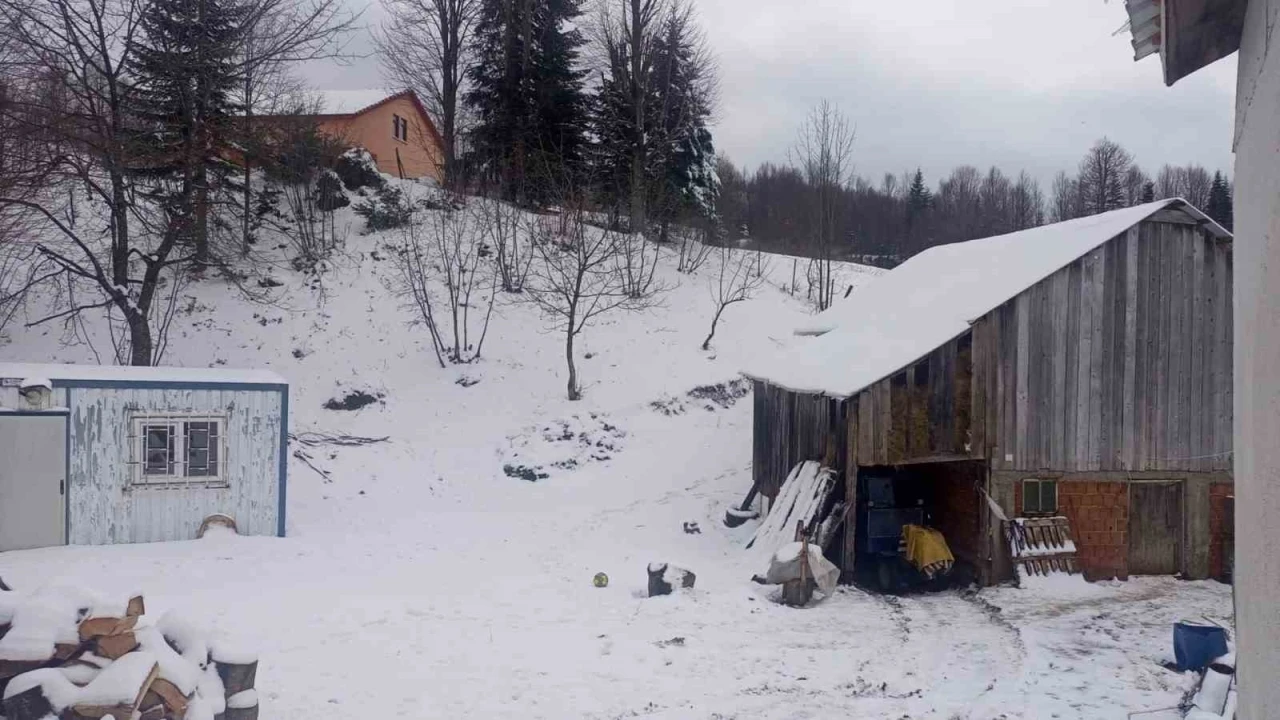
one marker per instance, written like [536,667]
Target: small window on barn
[177,451]
[1039,497]
[400,128]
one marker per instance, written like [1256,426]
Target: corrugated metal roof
[1145,26]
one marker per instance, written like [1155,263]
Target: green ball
[601,580]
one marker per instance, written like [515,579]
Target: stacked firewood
[68,654]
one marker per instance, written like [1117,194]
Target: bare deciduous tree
[1103,176]
[578,277]
[427,45]
[449,278]
[824,154]
[128,260]
[506,228]
[737,280]
[277,36]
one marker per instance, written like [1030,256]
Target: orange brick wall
[958,508]
[1099,515]
[1220,531]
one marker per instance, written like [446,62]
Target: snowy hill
[420,579]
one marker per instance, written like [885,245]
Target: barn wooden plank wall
[792,427]
[1120,361]
[922,412]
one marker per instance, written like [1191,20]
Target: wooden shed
[103,455]
[1081,369]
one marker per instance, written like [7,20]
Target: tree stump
[659,583]
[236,677]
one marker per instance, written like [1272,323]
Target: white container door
[33,464]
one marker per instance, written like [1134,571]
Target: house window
[400,128]
[1039,497]
[177,451]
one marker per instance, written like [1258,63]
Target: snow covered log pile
[72,655]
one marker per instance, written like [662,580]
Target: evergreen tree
[1148,192]
[919,199]
[1220,202]
[186,74]
[527,95]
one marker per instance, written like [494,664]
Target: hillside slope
[420,580]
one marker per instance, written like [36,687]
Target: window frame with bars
[1039,485]
[176,471]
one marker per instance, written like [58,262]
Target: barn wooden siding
[790,428]
[1120,361]
[921,413]
[102,507]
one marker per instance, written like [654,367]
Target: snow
[183,673]
[421,581]
[40,620]
[188,638]
[230,653]
[243,699]
[930,299]
[36,382]
[67,372]
[120,682]
[57,689]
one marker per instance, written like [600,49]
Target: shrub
[357,170]
[385,210]
[330,195]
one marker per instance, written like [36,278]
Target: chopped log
[136,607]
[97,627]
[246,713]
[237,677]
[122,710]
[30,704]
[152,712]
[62,652]
[114,647]
[172,698]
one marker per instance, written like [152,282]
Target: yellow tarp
[927,550]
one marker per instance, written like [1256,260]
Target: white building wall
[1257,364]
[103,509]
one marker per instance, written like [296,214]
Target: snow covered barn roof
[900,317]
[61,374]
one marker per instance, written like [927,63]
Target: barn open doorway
[943,496]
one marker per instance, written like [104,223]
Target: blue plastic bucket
[1195,646]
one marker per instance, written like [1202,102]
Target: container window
[177,451]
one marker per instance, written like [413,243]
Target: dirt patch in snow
[354,400]
[563,444]
[710,398]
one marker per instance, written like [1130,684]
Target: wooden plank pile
[1042,546]
[71,655]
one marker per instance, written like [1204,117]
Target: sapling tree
[736,280]
[449,279]
[578,276]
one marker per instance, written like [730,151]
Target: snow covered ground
[422,581]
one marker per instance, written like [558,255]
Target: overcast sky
[1021,84]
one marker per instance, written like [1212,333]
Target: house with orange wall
[394,127]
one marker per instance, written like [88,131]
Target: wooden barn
[1081,369]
